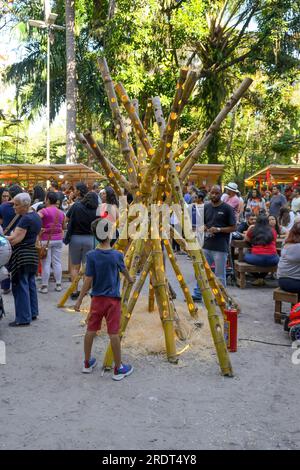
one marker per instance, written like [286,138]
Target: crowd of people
[42,221]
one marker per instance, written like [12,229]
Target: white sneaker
[43,290]
[58,288]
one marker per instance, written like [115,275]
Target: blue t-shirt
[7,213]
[104,266]
[33,224]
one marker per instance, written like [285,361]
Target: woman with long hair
[289,264]
[255,202]
[79,234]
[273,222]
[4,196]
[38,197]
[262,238]
[286,220]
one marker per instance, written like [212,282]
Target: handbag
[43,249]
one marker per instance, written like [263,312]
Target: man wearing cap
[231,197]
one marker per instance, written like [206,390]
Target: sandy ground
[47,403]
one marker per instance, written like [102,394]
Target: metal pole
[48,96]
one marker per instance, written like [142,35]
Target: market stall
[275,174]
[32,174]
[206,175]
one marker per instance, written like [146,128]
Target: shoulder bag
[43,249]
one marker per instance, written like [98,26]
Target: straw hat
[232,187]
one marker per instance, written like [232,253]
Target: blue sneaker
[88,368]
[122,372]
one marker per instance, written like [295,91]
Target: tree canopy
[145,42]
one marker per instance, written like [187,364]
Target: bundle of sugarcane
[153,177]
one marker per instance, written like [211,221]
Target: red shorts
[108,307]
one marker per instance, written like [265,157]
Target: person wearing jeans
[24,261]
[219,222]
[52,235]
[262,238]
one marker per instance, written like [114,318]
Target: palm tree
[70,83]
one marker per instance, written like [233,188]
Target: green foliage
[146,41]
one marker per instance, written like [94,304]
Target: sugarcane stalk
[200,274]
[198,150]
[104,163]
[186,292]
[122,136]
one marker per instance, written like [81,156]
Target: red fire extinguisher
[230,328]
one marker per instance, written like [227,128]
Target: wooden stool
[282,296]
[241,268]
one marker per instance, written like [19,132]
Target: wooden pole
[106,167]
[118,175]
[162,299]
[186,292]
[192,158]
[200,274]
[186,145]
[122,136]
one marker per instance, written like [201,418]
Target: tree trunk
[71,83]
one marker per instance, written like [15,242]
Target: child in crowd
[103,266]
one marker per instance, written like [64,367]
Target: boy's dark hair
[101,229]
[52,197]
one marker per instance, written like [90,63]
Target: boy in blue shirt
[103,266]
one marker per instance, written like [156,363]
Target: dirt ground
[47,403]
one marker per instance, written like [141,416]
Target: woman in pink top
[52,230]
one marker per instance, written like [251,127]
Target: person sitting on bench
[262,239]
[289,263]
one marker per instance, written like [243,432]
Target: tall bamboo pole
[192,158]
[186,292]
[135,120]
[141,153]
[118,175]
[162,299]
[161,156]
[148,113]
[151,295]
[100,156]
[122,136]
[186,145]
[200,274]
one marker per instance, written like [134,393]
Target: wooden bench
[282,296]
[241,268]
